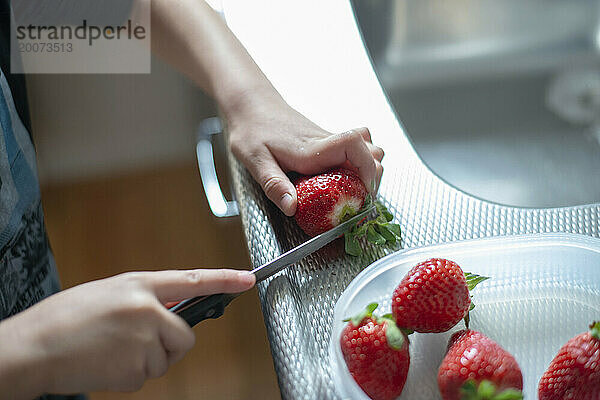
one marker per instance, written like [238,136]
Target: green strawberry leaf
[595,329]
[383,211]
[391,317]
[395,228]
[486,390]
[367,312]
[473,280]
[374,237]
[468,390]
[387,234]
[378,231]
[509,394]
[351,245]
[393,334]
[380,220]
[388,215]
[361,230]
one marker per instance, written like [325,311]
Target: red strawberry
[328,199]
[575,371]
[433,296]
[476,367]
[376,353]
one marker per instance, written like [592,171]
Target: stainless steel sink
[501,99]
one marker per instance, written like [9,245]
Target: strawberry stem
[474,279]
[346,213]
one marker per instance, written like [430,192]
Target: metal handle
[198,309]
[218,204]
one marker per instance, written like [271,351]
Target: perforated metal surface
[298,302]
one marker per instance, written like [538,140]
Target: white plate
[545,289]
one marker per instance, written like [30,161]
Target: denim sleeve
[27,269]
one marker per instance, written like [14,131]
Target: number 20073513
[43,47]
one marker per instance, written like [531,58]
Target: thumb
[175,285]
[275,183]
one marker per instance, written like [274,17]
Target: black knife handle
[198,309]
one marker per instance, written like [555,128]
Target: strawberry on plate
[328,199]
[376,353]
[434,296]
[477,368]
[575,371]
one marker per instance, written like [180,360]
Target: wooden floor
[160,219]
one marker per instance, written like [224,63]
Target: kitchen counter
[313,53]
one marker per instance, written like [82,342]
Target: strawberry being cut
[434,296]
[477,368]
[328,199]
[575,371]
[376,353]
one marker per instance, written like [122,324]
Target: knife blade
[200,308]
[310,246]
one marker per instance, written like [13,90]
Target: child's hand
[270,138]
[110,334]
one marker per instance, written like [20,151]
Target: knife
[200,308]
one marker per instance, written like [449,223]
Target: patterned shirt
[27,269]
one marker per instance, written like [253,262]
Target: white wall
[90,125]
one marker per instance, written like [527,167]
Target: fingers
[176,336]
[178,285]
[266,170]
[376,151]
[379,169]
[274,182]
[365,133]
[157,361]
[349,146]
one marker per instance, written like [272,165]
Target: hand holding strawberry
[434,296]
[376,353]
[328,199]
[575,371]
[477,368]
